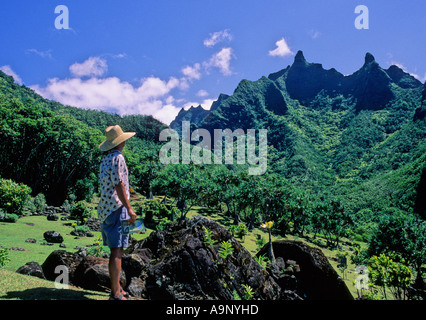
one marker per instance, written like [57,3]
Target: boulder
[92,274]
[93,224]
[32,269]
[81,233]
[60,258]
[135,263]
[52,217]
[184,267]
[17,249]
[53,237]
[137,288]
[177,263]
[316,279]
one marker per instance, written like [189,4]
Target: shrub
[84,188]
[232,229]
[359,256]
[241,231]
[82,229]
[39,202]
[10,217]
[80,211]
[13,196]
[151,205]
[163,211]
[388,274]
[260,242]
[97,249]
[36,204]
[162,223]
[4,257]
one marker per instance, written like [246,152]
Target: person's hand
[132,216]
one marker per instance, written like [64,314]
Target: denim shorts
[112,235]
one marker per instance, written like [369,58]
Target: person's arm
[121,193]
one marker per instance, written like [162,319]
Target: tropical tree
[390,275]
[180,182]
[404,234]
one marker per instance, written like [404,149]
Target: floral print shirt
[113,170]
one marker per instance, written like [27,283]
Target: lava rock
[53,237]
[32,269]
[316,278]
[184,267]
[60,258]
[52,217]
[92,274]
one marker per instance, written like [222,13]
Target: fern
[262,260]
[208,237]
[225,249]
[248,292]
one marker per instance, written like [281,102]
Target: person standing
[114,205]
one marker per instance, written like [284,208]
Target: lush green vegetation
[340,170]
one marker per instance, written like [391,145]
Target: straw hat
[114,136]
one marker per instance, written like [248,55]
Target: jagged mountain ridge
[332,133]
[371,86]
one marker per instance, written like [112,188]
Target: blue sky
[156,57]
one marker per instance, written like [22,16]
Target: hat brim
[108,145]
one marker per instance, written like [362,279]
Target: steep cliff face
[194,115]
[331,130]
[371,87]
[305,80]
[420,113]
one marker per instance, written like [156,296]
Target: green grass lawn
[15,234]
[15,286]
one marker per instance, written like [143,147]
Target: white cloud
[93,66]
[405,69]
[217,37]
[44,54]
[88,88]
[281,50]
[167,113]
[221,60]
[8,70]
[314,34]
[111,94]
[192,72]
[202,93]
[119,56]
[205,104]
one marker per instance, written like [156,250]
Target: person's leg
[114,267]
[116,241]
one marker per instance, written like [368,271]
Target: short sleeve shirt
[112,171]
